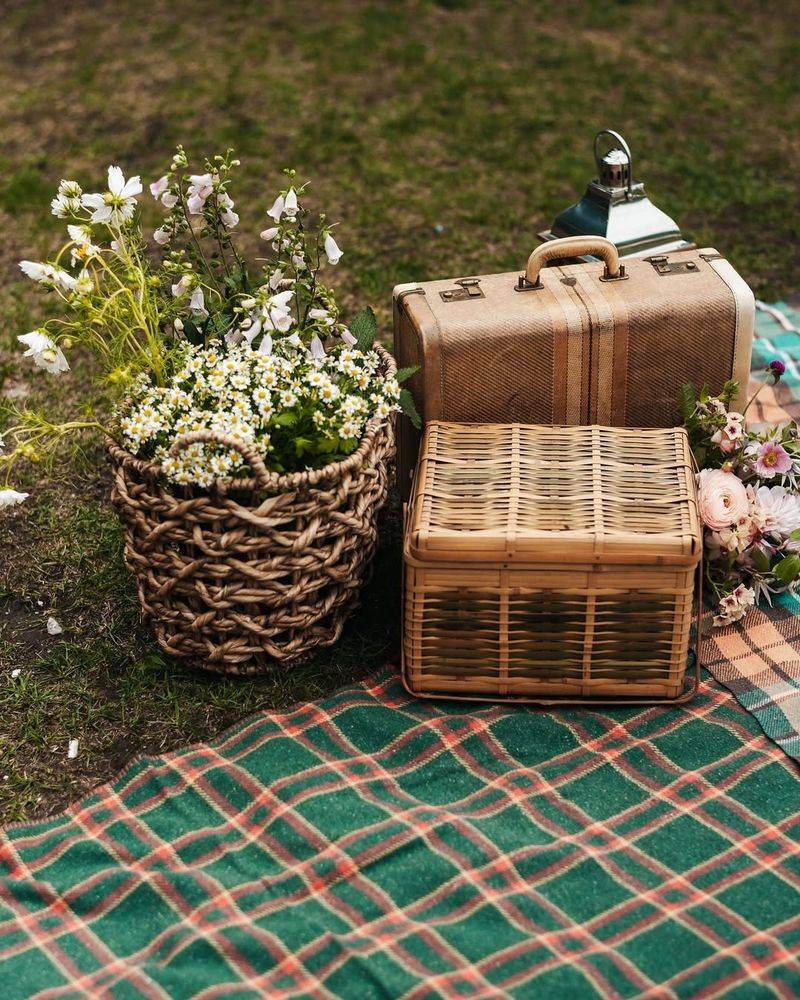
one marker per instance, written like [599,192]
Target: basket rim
[281,483]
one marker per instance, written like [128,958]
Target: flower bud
[178,324]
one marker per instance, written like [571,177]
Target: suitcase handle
[574,246]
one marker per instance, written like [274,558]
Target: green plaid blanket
[372,845]
[375,846]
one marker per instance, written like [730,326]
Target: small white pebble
[16,671]
[53,628]
[40,603]
[72,752]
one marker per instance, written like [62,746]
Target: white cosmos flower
[332,251]
[68,200]
[269,234]
[10,498]
[70,189]
[62,207]
[118,204]
[44,353]
[83,248]
[197,305]
[48,273]
[275,213]
[84,284]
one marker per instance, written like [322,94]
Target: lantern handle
[621,144]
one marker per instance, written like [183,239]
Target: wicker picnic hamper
[546,563]
[256,571]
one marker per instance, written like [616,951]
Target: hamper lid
[488,493]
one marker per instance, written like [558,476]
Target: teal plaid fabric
[372,845]
[774,341]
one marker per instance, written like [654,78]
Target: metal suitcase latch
[469,288]
[664,266]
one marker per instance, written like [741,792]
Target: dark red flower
[776,368]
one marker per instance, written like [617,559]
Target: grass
[444,135]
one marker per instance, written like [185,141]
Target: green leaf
[788,569]
[761,559]
[302,445]
[795,535]
[409,408]
[285,419]
[687,400]
[365,329]
[327,446]
[406,373]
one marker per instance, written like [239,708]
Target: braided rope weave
[260,570]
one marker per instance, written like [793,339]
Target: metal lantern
[616,206]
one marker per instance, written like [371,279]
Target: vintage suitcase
[605,342]
[551,562]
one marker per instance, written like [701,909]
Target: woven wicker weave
[547,562]
[259,570]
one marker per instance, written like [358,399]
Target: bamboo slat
[550,562]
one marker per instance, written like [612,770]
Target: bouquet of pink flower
[749,500]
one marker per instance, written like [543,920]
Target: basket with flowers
[248,427]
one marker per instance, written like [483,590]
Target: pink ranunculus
[772,460]
[722,499]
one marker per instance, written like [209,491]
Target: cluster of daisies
[298,410]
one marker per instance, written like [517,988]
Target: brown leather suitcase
[604,342]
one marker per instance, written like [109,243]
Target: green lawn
[444,136]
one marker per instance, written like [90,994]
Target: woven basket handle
[264,478]
[573,246]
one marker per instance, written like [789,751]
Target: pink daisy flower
[772,460]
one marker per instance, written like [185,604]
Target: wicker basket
[256,571]
[548,563]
